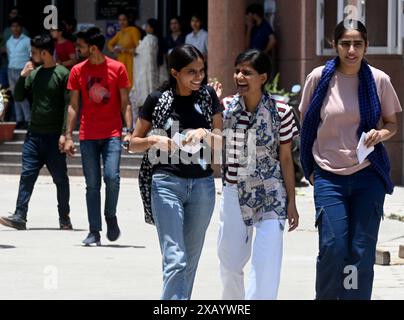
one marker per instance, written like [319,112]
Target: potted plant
[6,128]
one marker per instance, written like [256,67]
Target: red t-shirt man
[100,87]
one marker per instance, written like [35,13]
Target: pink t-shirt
[337,138]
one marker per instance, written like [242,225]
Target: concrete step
[11,158]
[17,146]
[11,146]
[127,160]
[19,135]
[74,170]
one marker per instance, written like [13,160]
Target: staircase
[11,158]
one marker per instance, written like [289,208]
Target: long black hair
[178,59]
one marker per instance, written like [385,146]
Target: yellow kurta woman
[124,44]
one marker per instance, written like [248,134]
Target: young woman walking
[341,101]
[259,183]
[178,188]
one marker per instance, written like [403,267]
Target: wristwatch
[129,131]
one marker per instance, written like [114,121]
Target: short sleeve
[312,81]
[29,46]
[73,82]
[288,124]
[389,101]
[146,112]
[205,43]
[188,39]
[124,82]
[217,107]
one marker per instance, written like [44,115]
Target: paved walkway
[45,263]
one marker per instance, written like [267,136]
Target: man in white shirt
[198,37]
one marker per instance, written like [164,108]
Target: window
[383,18]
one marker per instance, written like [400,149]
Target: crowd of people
[154,99]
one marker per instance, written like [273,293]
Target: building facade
[303,28]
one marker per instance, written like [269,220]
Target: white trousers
[235,245]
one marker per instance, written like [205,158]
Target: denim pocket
[161,176]
[373,225]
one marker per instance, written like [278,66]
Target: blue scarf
[370,112]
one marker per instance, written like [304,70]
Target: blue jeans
[349,211]
[92,151]
[21,108]
[40,150]
[182,209]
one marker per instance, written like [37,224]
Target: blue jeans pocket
[161,176]
[163,179]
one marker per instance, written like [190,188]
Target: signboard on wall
[109,9]
[111,29]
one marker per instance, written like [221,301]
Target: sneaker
[113,231]
[65,223]
[93,239]
[14,221]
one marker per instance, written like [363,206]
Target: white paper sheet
[363,151]
[189,148]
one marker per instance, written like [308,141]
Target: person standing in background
[70,29]
[150,70]
[199,36]
[19,53]
[65,51]
[176,37]
[3,48]
[260,34]
[124,44]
